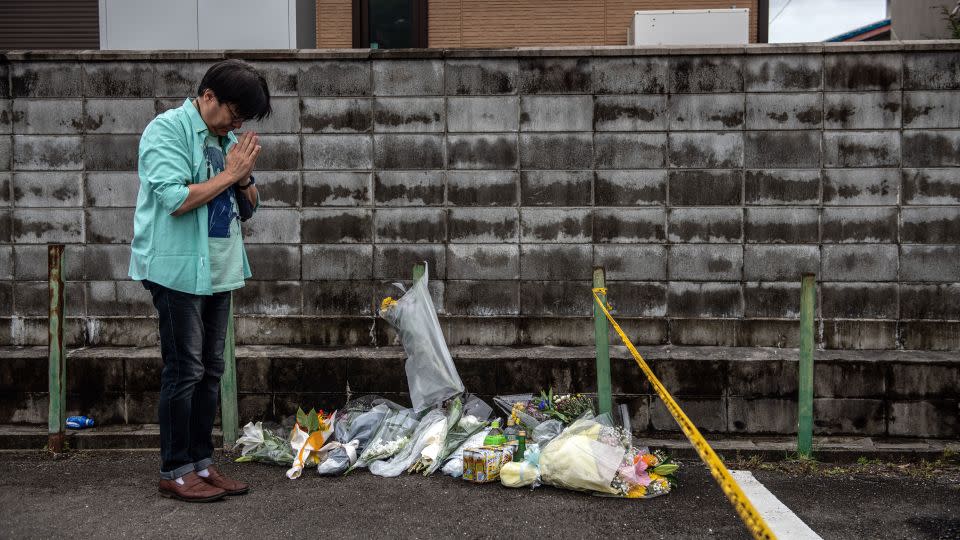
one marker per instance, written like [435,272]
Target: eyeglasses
[235,119]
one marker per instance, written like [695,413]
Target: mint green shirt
[167,250]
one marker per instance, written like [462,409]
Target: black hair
[238,83]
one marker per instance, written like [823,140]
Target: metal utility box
[690,27]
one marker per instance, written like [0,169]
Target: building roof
[871,31]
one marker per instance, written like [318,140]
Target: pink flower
[635,475]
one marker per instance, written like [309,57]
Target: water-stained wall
[705,181]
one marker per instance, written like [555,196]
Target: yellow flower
[654,476]
[637,492]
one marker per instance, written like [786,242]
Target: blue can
[79,422]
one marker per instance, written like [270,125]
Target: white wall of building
[204,24]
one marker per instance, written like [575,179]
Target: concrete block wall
[705,181]
[733,390]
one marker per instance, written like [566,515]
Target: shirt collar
[197,121]
[194,115]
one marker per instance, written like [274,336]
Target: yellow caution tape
[744,508]
[603,291]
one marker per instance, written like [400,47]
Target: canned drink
[79,422]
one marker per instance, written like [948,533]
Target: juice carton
[485,463]
[469,468]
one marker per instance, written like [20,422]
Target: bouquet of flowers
[592,455]
[355,425]
[460,430]
[584,457]
[390,437]
[565,407]
[530,411]
[523,408]
[307,438]
[430,431]
[263,445]
[430,454]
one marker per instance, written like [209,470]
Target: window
[389,24]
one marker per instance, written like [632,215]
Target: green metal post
[229,418]
[56,349]
[418,270]
[602,337]
[808,290]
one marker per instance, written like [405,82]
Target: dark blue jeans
[192,332]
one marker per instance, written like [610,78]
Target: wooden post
[57,353]
[602,338]
[808,290]
[229,418]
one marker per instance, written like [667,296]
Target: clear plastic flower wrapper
[431,374]
[531,410]
[261,444]
[594,456]
[430,454]
[460,427]
[390,437]
[429,433]
[356,423]
[523,408]
[546,432]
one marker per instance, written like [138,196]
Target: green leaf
[666,469]
[301,418]
[313,423]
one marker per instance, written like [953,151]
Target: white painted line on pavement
[782,520]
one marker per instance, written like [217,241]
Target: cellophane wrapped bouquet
[593,455]
[531,410]
[356,423]
[429,431]
[391,436]
[264,445]
[461,425]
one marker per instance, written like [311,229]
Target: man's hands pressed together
[242,157]
[240,162]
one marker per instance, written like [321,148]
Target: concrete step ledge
[494,353]
[119,437]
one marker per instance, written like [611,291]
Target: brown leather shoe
[194,489]
[229,485]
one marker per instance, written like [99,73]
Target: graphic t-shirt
[226,244]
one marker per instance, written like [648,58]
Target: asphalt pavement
[112,494]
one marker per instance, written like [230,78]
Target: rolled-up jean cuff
[178,472]
[202,464]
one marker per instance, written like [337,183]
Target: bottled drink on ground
[521,445]
[79,422]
